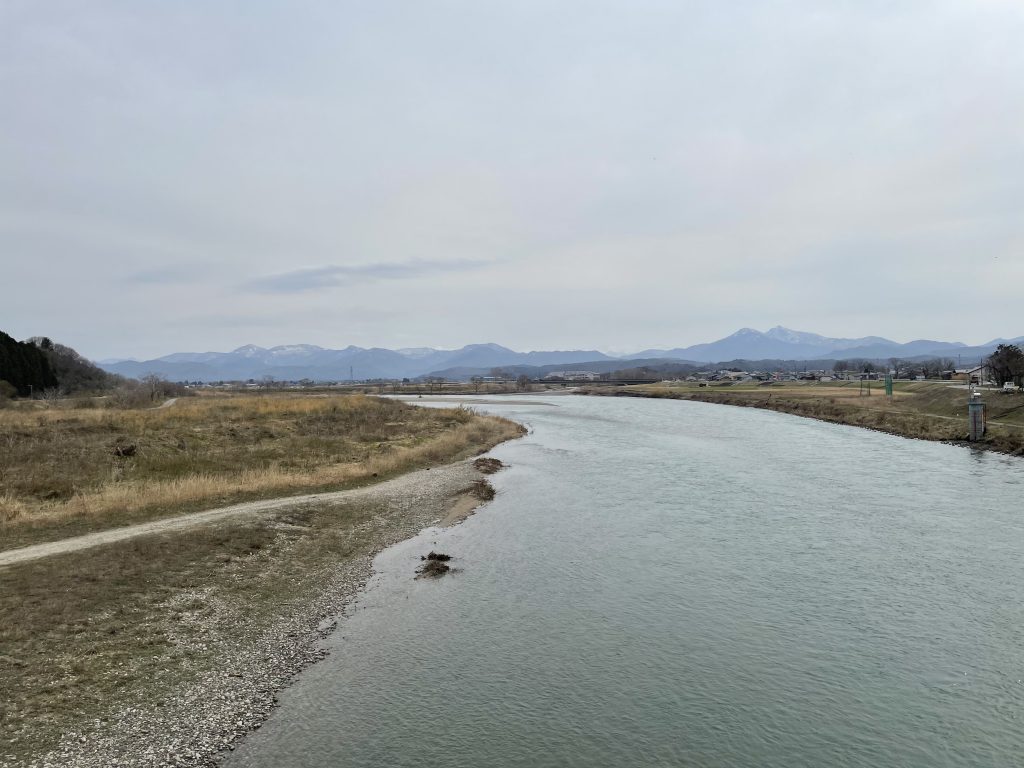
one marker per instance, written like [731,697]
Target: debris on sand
[488,465]
[483,490]
[439,556]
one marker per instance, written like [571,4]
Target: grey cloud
[652,174]
[332,276]
[165,275]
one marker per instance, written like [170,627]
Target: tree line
[39,367]
[900,368]
[1007,365]
[25,368]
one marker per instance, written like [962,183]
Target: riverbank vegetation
[924,410]
[67,469]
[193,631]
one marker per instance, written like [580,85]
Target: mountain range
[306,361]
[781,343]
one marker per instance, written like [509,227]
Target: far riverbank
[923,411]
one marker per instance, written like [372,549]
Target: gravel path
[203,719]
[415,483]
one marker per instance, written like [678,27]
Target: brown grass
[60,473]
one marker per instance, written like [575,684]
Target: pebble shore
[205,718]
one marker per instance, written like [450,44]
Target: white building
[573,375]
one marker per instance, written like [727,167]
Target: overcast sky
[611,175]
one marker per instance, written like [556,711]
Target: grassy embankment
[61,475]
[130,623]
[924,410]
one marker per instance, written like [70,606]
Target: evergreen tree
[24,366]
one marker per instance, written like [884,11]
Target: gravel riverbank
[198,721]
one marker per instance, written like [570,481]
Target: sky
[546,175]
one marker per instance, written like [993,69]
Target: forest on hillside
[39,367]
[24,368]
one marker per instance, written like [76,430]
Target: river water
[667,583]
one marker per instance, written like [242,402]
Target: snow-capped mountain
[781,343]
[308,361]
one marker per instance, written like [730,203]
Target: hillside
[24,366]
[304,361]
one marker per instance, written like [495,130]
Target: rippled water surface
[665,583]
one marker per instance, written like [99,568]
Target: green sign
[888,385]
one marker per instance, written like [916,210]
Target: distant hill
[39,364]
[304,361]
[25,367]
[75,374]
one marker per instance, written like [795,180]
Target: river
[669,583]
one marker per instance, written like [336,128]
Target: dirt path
[450,479]
[165,404]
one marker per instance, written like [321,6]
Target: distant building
[573,375]
[979,374]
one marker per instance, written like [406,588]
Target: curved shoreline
[793,409]
[194,519]
[203,718]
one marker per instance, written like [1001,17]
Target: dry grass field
[925,410]
[70,470]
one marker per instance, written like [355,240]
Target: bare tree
[51,394]
[1007,364]
[477,381]
[154,384]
